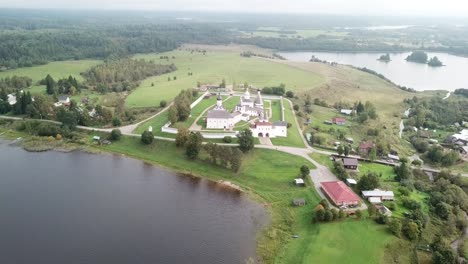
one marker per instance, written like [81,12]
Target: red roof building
[340,193]
[339,120]
[365,147]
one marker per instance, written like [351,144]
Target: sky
[353,7]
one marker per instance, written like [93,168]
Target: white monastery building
[220,118]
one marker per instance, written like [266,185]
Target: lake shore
[247,181]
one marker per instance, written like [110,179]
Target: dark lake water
[415,75]
[84,208]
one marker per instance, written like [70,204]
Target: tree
[411,230]
[442,253]
[358,213]
[340,150]
[328,216]
[373,154]
[115,135]
[368,181]
[290,94]
[320,214]
[227,139]
[163,103]
[236,159]
[346,150]
[182,137]
[193,145]
[69,119]
[147,137]
[246,140]
[296,107]
[359,108]
[305,171]
[50,84]
[116,121]
[395,226]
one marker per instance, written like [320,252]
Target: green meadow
[213,68]
[57,69]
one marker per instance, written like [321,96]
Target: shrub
[163,103]
[227,139]
[296,107]
[392,206]
[116,121]
[411,204]
[58,137]
[115,135]
[147,137]
[47,130]
[416,162]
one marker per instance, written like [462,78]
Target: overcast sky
[357,7]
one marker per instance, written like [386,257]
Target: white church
[220,118]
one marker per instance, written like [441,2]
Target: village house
[63,100]
[340,194]
[341,121]
[346,111]
[350,163]
[365,147]
[460,139]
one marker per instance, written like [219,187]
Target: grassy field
[212,68]
[275,110]
[350,241]
[57,69]
[294,138]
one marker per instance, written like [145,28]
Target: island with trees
[384,58]
[422,57]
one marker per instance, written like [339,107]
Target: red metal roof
[339,192]
[338,119]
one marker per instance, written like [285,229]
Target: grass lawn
[212,68]
[156,122]
[294,138]
[388,173]
[275,110]
[57,69]
[350,241]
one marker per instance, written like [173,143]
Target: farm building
[380,194]
[340,193]
[350,163]
[299,202]
[339,121]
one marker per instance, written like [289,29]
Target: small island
[418,56]
[435,62]
[422,57]
[384,58]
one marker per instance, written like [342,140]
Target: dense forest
[32,37]
[34,41]
[124,74]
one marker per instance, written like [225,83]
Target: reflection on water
[84,208]
[409,74]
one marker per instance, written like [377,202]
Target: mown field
[57,69]
[213,68]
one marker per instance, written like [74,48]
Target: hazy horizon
[330,7]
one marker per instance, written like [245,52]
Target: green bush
[115,135]
[227,139]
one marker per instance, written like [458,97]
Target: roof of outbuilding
[350,162]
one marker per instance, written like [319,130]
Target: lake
[415,75]
[87,208]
